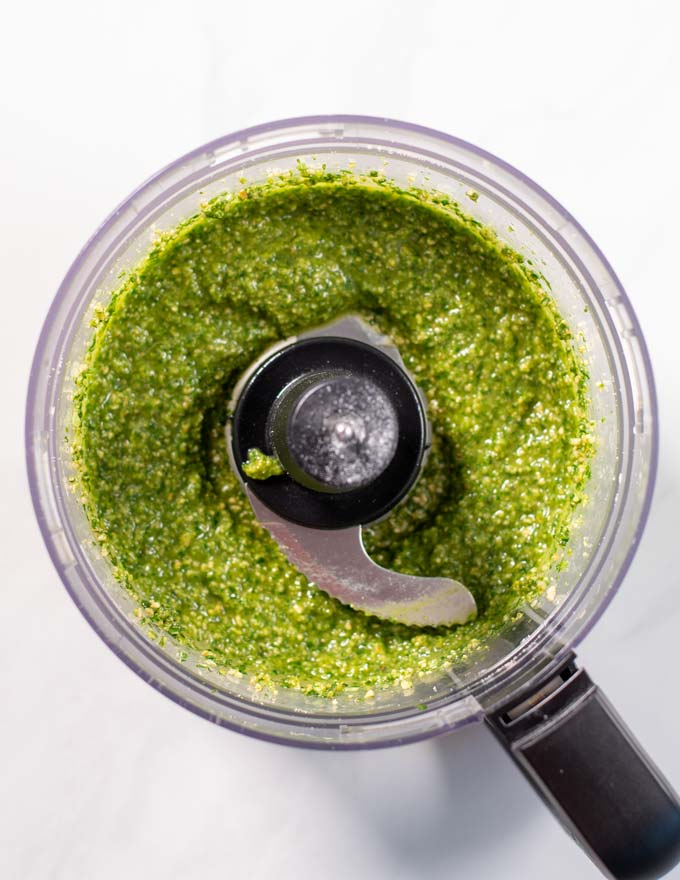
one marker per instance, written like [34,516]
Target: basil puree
[506,397]
[260,466]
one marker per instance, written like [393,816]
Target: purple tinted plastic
[318,729]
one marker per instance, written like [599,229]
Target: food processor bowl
[537,645]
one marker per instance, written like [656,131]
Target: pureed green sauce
[507,404]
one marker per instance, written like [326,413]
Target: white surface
[104,778]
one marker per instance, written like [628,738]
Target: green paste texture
[260,466]
[507,403]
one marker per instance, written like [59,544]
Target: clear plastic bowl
[589,296]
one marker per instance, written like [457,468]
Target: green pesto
[507,403]
[261,466]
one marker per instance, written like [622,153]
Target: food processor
[525,683]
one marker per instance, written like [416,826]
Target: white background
[101,777]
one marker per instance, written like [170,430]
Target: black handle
[587,766]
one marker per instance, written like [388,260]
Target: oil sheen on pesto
[506,400]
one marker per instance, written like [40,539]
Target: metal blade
[336,562]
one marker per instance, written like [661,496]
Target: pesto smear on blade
[261,466]
[506,400]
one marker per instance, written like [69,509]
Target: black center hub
[346,422]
